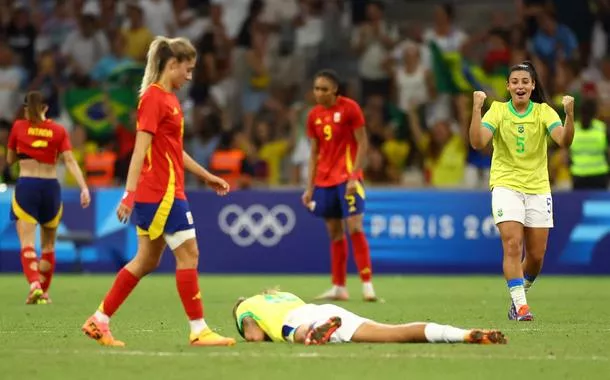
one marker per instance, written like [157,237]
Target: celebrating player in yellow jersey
[521,194]
[283,317]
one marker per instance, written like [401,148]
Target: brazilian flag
[90,108]
[454,74]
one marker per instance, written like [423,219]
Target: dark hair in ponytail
[34,107]
[538,95]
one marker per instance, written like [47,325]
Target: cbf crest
[521,129]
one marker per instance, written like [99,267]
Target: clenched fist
[478,98]
[568,104]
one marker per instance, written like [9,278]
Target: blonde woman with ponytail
[155,191]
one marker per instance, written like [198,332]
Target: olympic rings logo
[256,224]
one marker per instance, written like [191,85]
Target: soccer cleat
[100,332]
[512,312]
[35,294]
[45,299]
[333,294]
[209,338]
[321,334]
[524,314]
[485,337]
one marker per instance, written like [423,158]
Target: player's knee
[187,255]
[513,246]
[355,227]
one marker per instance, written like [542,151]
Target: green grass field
[568,340]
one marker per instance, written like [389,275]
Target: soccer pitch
[568,340]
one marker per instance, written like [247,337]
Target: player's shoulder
[498,106]
[348,102]
[20,123]
[153,92]
[543,107]
[54,125]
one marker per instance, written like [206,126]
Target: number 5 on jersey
[328,132]
[520,144]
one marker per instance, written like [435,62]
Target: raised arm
[563,135]
[481,131]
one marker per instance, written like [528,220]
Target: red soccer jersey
[43,142]
[334,128]
[160,114]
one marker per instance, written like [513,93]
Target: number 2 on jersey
[328,132]
[520,144]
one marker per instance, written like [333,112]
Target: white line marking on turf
[313,355]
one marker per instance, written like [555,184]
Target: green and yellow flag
[89,108]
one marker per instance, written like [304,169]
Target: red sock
[362,256]
[47,276]
[29,262]
[187,282]
[123,284]
[338,255]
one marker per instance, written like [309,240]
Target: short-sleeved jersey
[162,176]
[269,311]
[519,159]
[333,128]
[42,142]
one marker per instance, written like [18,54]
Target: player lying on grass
[283,317]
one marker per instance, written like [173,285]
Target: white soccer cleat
[334,294]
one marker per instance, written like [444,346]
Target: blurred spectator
[80,149]
[84,48]
[188,22]
[255,88]
[57,27]
[10,79]
[48,82]
[137,36]
[554,41]
[444,152]
[373,41]
[113,61]
[271,149]
[159,17]
[20,35]
[230,161]
[414,82]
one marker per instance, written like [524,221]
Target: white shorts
[310,313]
[531,210]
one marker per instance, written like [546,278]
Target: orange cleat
[100,332]
[485,337]
[321,334]
[209,338]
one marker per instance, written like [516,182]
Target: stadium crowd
[245,110]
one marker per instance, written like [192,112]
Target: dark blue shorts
[37,200]
[156,219]
[332,203]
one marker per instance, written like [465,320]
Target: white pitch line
[312,355]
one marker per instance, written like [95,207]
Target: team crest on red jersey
[337,117]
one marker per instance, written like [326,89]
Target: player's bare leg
[46,267]
[362,255]
[512,244]
[373,332]
[147,259]
[338,257]
[535,249]
[29,260]
[187,282]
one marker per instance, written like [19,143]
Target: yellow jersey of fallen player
[269,310]
[519,159]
